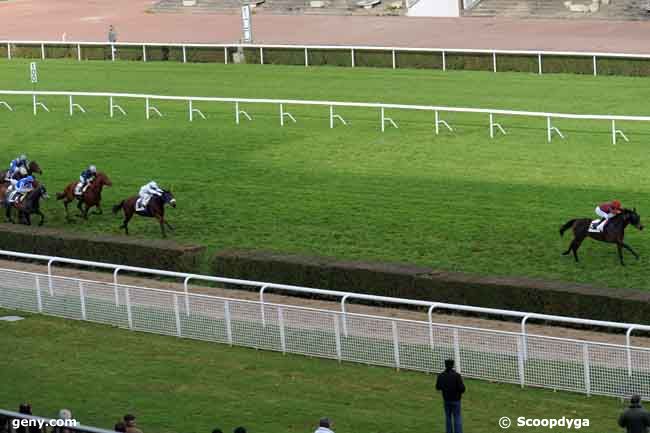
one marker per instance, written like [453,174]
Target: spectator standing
[451,384]
[635,419]
[131,427]
[324,426]
[112,34]
[65,415]
[26,409]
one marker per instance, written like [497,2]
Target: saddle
[79,192]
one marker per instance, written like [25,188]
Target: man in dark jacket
[635,419]
[451,384]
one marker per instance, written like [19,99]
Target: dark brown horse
[32,168]
[614,232]
[28,206]
[92,197]
[155,209]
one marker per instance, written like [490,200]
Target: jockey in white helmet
[149,190]
[87,176]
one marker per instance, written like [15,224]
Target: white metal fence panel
[557,363]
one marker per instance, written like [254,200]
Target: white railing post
[129,313]
[491,125]
[539,63]
[146,106]
[548,129]
[430,317]
[261,56]
[184,54]
[585,358]
[595,67]
[262,306]
[225,55]
[331,117]
[190,110]
[49,276]
[395,344]
[110,106]
[187,295]
[226,315]
[444,61]
[8,51]
[494,61]
[177,316]
[237,113]
[337,336]
[524,336]
[79,52]
[82,300]
[394,63]
[112,52]
[34,103]
[115,284]
[39,299]
[520,361]
[457,350]
[628,351]
[382,119]
[344,316]
[70,104]
[352,56]
[281,115]
[144,53]
[283,342]
[306,58]
[42,51]
[613,131]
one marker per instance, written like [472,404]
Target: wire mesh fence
[524,359]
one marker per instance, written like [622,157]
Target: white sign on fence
[33,72]
[247,27]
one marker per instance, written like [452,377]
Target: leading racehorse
[28,206]
[614,232]
[155,209]
[32,168]
[92,197]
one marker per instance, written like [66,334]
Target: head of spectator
[217,430]
[120,427]
[129,420]
[635,401]
[449,364]
[324,425]
[65,414]
[239,430]
[25,409]
[4,424]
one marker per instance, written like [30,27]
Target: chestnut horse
[155,209]
[31,169]
[92,197]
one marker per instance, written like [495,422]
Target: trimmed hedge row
[414,282]
[160,254]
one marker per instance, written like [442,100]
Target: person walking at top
[635,419]
[451,384]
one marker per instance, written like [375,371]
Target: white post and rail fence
[37,99]
[521,358]
[13,49]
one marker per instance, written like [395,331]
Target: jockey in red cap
[607,211]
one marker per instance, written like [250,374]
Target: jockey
[606,211]
[149,190]
[15,166]
[22,186]
[87,176]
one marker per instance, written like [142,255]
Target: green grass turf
[456,201]
[177,385]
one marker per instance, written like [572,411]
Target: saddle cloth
[141,204]
[593,227]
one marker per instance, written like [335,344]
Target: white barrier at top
[436,110]
[264,287]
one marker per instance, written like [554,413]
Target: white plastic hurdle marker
[238,112]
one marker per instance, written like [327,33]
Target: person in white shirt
[325,426]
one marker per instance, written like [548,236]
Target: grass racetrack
[458,201]
[176,385]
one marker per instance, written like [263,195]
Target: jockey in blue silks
[15,166]
[87,176]
[22,186]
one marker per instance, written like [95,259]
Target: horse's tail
[118,207]
[566,226]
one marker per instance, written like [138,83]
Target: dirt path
[538,329]
[89,21]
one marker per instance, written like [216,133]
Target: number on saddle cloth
[142,203]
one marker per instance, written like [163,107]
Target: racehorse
[28,206]
[92,197]
[31,169]
[155,209]
[614,232]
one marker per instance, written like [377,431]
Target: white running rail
[524,359]
[48,285]
[51,422]
[436,110]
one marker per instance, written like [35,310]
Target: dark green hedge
[26,51]
[165,53]
[62,51]
[418,60]
[205,55]
[414,282]
[567,65]
[330,58]
[160,254]
[372,58]
[91,52]
[618,66]
[281,56]
[517,63]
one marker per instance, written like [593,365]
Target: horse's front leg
[28,218]
[99,210]
[9,217]
[79,206]
[169,226]
[39,213]
[629,248]
[619,247]
[161,221]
